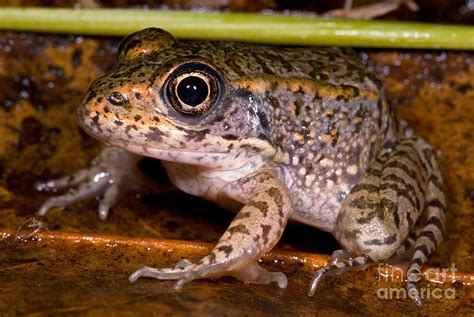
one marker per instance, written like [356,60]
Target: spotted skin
[302,133]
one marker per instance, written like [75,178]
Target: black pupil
[192,91]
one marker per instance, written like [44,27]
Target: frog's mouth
[174,155]
[169,148]
[211,158]
[139,144]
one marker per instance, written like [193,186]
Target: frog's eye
[193,88]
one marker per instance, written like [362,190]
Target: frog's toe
[413,293]
[69,181]
[255,274]
[183,263]
[320,274]
[341,255]
[111,196]
[161,274]
[52,202]
[338,267]
[315,281]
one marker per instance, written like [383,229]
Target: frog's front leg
[255,230]
[396,209]
[111,174]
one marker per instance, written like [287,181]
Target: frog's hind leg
[255,230]
[396,208]
[429,231]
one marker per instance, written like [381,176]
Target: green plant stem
[249,27]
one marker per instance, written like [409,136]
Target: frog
[273,133]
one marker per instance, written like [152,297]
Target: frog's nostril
[117,99]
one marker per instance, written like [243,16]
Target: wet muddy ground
[70,262]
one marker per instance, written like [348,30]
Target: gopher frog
[302,133]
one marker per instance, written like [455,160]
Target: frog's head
[166,100]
